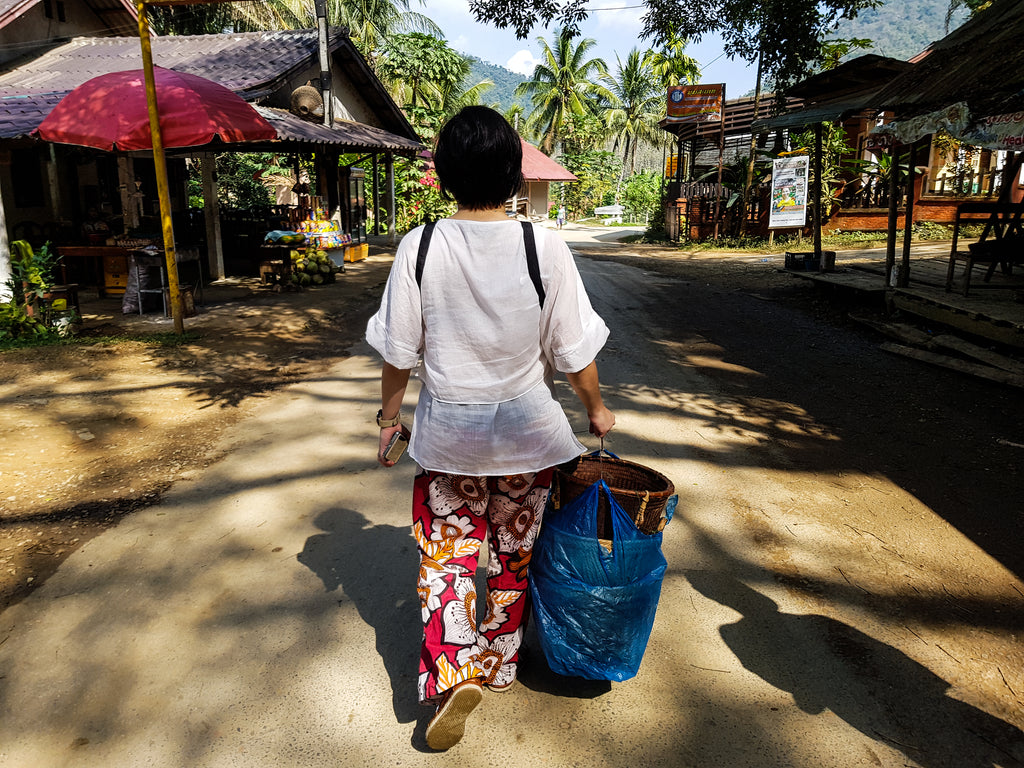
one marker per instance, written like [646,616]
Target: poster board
[695,103]
[789,192]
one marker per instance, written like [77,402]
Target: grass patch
[53,340]
[922,232]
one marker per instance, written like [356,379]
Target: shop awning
[818,113]
[347,135]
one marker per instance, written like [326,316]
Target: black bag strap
[421,257]
[532,264]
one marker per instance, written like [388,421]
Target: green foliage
[32,275]
[671,65]
[636,107]
[418,69]
[564,86]
[195,20]
[420,193]
[596,169]
[241,179]
[17,326]
[784,36]
[835,50]
[641,195]
[834,150]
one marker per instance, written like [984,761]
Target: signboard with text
[695,103]
[789,192]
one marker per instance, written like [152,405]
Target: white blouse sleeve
[572,333]
[396,331]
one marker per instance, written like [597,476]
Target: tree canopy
[785,34]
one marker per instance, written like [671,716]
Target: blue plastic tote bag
[595,606]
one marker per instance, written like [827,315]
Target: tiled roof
[252,64]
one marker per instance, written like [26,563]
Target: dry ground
[90,432]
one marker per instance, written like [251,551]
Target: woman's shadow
[376,565]
[877,689]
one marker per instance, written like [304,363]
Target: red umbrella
[110,112]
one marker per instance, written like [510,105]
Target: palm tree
[671,64]
[369,22]
[565,83]
[637,106]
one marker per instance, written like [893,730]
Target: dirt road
[846,541]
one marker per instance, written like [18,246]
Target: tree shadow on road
[376,567]
[828,665]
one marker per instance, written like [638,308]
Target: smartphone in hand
[396,446]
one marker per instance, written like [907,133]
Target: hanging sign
[789,192]
[998,132]
[695,103]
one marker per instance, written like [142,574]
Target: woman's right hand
[601,421]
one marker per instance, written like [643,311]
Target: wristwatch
[382,422]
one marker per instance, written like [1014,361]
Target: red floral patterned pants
[451,515]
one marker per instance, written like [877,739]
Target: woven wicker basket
[641,492]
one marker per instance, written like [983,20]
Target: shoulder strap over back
[421,256]
[532,265]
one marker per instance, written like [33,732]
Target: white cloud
[614,15]
[522,62]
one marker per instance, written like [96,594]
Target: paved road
[264,614]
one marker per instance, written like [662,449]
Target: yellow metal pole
[160,162]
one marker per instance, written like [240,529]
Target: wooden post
[903,279]
[214,242]
[890,240]
[320,7]
[817,196]
[721,152]
[389,171]
[5,249]
[376,197]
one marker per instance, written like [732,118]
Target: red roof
[539,167]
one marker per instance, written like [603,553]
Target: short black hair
[479,158]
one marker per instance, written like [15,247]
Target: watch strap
[382,422]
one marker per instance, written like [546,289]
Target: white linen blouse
[487,405]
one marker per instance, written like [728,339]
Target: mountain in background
[901,29]
[502,93]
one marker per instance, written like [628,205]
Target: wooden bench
[1001,243]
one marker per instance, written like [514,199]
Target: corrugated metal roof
[738,114]
[539,167]
[355,137]
[980,63]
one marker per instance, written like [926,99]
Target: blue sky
[614,24]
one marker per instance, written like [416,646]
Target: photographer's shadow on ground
[880,691]
[376,567]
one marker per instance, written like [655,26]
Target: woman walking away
[493,307]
